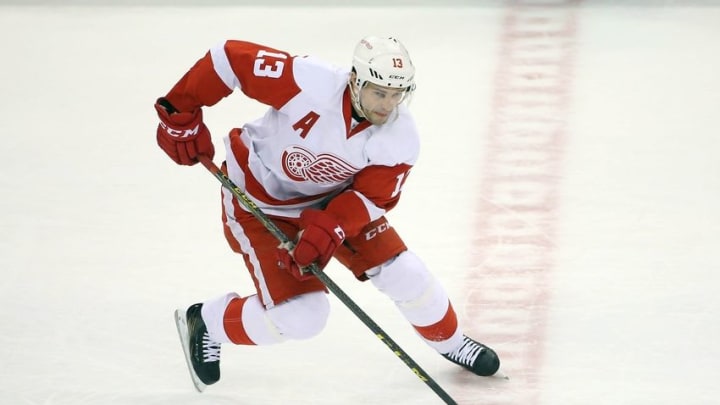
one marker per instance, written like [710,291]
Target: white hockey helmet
[385,62]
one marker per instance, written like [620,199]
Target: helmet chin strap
[355,99]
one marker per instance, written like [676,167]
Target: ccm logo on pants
[377,230]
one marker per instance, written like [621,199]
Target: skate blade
[181,324]
[500,375]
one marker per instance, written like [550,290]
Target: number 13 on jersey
[269,64]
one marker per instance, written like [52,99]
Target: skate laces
[211,349]
[467,353]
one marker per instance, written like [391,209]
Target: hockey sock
[245,321]
[420,298]
[443,335]
[233,322]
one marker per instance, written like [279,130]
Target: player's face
[379,102]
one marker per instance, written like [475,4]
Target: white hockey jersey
[307,150]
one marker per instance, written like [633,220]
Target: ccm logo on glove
[179,133]
[339,232]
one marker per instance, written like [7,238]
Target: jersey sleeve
[260,72]
[375,191]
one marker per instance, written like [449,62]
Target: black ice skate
[201,354]
[475,357]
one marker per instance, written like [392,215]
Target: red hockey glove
[318,239]
[183,136]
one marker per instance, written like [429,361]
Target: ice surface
[101,236]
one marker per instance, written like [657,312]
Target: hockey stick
[329,283]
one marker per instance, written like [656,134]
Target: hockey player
[327,161]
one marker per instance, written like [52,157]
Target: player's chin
[378,119]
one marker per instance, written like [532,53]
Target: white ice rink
[567,196]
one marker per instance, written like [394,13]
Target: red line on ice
[512,250]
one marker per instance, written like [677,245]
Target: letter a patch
[305,123]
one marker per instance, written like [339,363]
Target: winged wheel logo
[302,165]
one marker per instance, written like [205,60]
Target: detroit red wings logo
[302,165]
